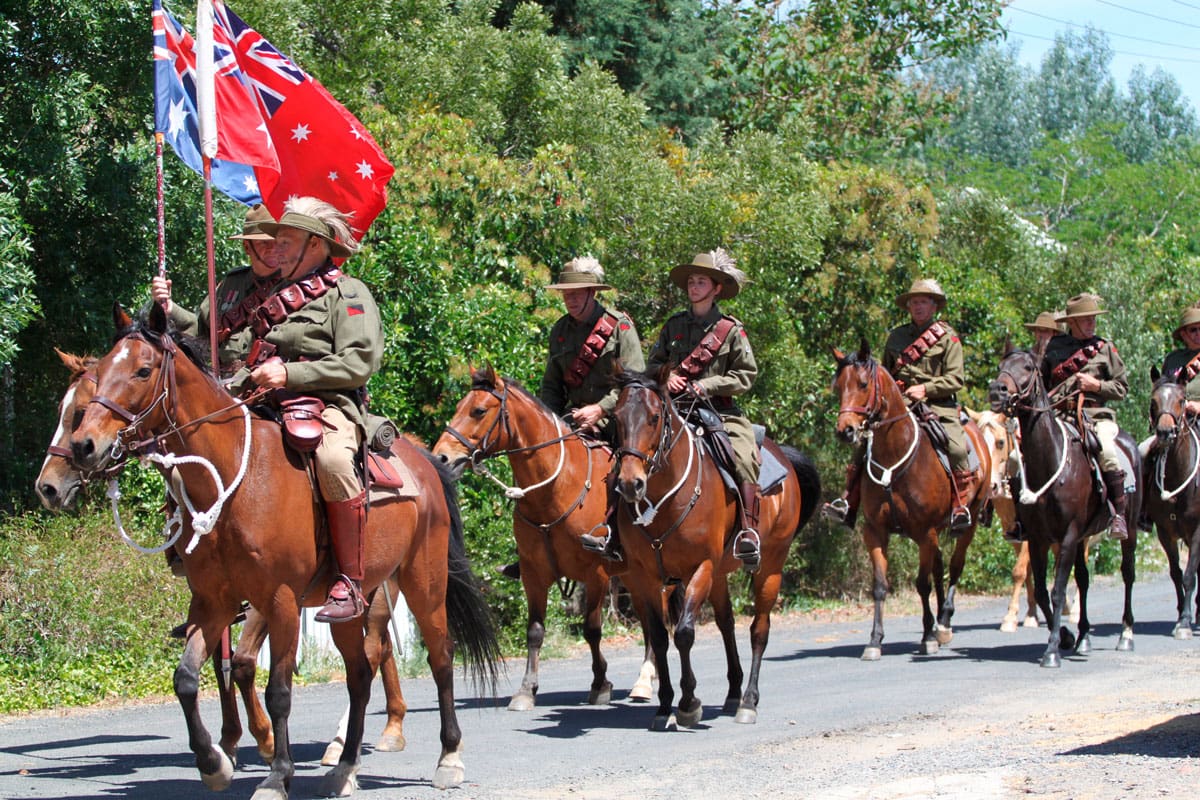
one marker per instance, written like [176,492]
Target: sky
[1154,33]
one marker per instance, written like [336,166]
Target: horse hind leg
[1183,628]
[879,589]
[929,574]
[215,766]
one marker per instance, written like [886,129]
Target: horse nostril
[47,490]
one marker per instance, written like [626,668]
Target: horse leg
[1060,637]
[216,768]
[691,710]
[1170,548]
[525,698]
[765,586]
[245,666]
[656,633]
[723,616]
[1128,574]
[1037,566]
[877,548]
[600,693]
[1187,584]
[643,687]
[1083,579]
[342,780]
[231,722]
[958,561]
[930,561]
[1020,572]
[283,625]
[381,652]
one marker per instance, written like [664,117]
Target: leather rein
[873,421]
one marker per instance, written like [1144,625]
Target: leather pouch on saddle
[929,421]
[303,427]
[715,436]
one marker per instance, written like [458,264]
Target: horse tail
[471,621]
[809,479]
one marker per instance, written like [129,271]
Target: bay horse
[560,495]
[1173,489]
[1059,503]
[676,523]
[258,538]
[905,489]
[58,484]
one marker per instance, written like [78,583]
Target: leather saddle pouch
[303,427]
[382,472]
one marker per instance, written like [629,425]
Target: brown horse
[1059,503]
[256,536]
[1173,489]
[906,489]
[677,522]
[560,495]
[58,484]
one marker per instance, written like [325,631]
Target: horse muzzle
[999,398]
[92,455]
[59,494]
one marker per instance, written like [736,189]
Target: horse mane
[195,348]
[485,380]
[637,380]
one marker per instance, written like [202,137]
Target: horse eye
[478,412]
[144,372]
[76,419]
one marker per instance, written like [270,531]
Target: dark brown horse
[677,523]
[1173,489]
[560,495]
[905,489]
[58,484]
[256,536]
[1059,503]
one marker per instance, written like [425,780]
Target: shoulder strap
[913,353]
[697,361]
[276,308]
[593,346]
[1075,362]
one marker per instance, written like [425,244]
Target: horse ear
[664,372]
[864,349]
[1154,374]
[1008,346]
[121,320]
[1039,351]
[838,355]
[71,362]
[158,318]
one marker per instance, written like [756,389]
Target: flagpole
[207,111]
[160,212]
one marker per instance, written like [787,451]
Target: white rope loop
[1161,471]
[886,473]
[646,517]
[1029,498]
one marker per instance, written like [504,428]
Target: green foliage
[16,278]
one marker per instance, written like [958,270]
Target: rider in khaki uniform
[1079,361]
[321,337]
[239,293]
[730,372]
[1187,358]
[926,359]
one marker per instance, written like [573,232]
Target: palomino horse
[1064,508]
[259,539]
[1173,489]
[560,495]
[1000,436]
[58,484]
[905,489]
[677,523]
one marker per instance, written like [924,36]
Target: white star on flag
[365,170]
[333,176]
[300,133]
[250,184]
[357,133]
[177,116]
[266,134]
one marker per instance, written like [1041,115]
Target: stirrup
[747,548]
[960,519]
[837,509]
[342,606]
[595,544]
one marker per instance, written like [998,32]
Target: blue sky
[1154,33]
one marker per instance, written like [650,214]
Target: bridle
[668,437]
[1019,399]
[872,413]
[1183,424]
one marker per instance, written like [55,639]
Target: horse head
[643,416]
[480,427]
[865,391]
[59,481]
[1168,405]
[1017,383]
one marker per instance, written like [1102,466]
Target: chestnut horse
[677,523]
[258,538]
[560,495]
[58,484]
[1173,489]
[1059,502]
[905,489]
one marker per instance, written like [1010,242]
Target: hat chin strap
[290,274]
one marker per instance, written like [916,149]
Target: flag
[246,166]
[324,151]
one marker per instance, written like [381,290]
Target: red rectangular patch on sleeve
[354,310]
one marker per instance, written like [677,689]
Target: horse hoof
[219,781]
[521,702]
[269,793]
[691,717]
[389,743]
[450,771]
[642,691]
[1125,644]
[333,753]
[929,647]
[1066,640]
[1051,660]
[267,753]
[732,704]
[1030,622]
[601,696]
[664,722]
[944,635]
[1182,631]
[746,715]
[341,781]
[871,653]
[1008,626]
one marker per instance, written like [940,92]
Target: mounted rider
[319,336]
[585,345]
[1080,363]
[711,359]
[925,357]
[1186,359]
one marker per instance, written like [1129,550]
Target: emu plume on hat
[716,264]
[583,272]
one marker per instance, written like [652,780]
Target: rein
[1160,471]
[878,473]
[1021,400]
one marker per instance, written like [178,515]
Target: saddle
[716,442]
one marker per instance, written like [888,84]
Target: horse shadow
[1175,738]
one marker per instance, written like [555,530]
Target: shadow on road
[1178,737]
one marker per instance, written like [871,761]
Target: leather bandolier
[593,347]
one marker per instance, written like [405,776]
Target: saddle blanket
[391,479]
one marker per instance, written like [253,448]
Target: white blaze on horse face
[122,354]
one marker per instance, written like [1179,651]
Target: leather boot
[347,521]
[747,547]
[1114,482]
[603,539]
[845,508]
[964,490]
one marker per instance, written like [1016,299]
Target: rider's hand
[160,290]
[271,374]
[588,417]
[916,392]
[1192,407]
[1088,383]
[676,383]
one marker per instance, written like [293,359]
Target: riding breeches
[956,444]
[335,457]
[745,450]
[1106,432]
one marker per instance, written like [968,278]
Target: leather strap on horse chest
[1075,362]
[276,308]
[931,336]
[593,346]
[697,361]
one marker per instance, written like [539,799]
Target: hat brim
[679,275]
[903,299]
[1066,317]
[1031,326]
[336,248]
[254,237]
[562,287]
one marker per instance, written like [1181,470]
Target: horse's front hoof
[944,634]
[601,696]
[1083,646]
[1008,626]
[391,743]
[1182,631]
[341,781]
[690,717]
[521,701]
[450,771]
[872,653]
[333,753]
[1125,643]
[1066,640]
[219,780]
[929,647]
[664,722]
[1051,661]
[1030,622]
[746,715]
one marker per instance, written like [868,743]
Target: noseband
[666,440]
[131,438]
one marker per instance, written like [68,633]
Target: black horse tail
[470,619]
[810,482]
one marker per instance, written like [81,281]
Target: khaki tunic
[731,372]
[231,291]
[940,370]
[566,342]
[1107,367]
[1176,361]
